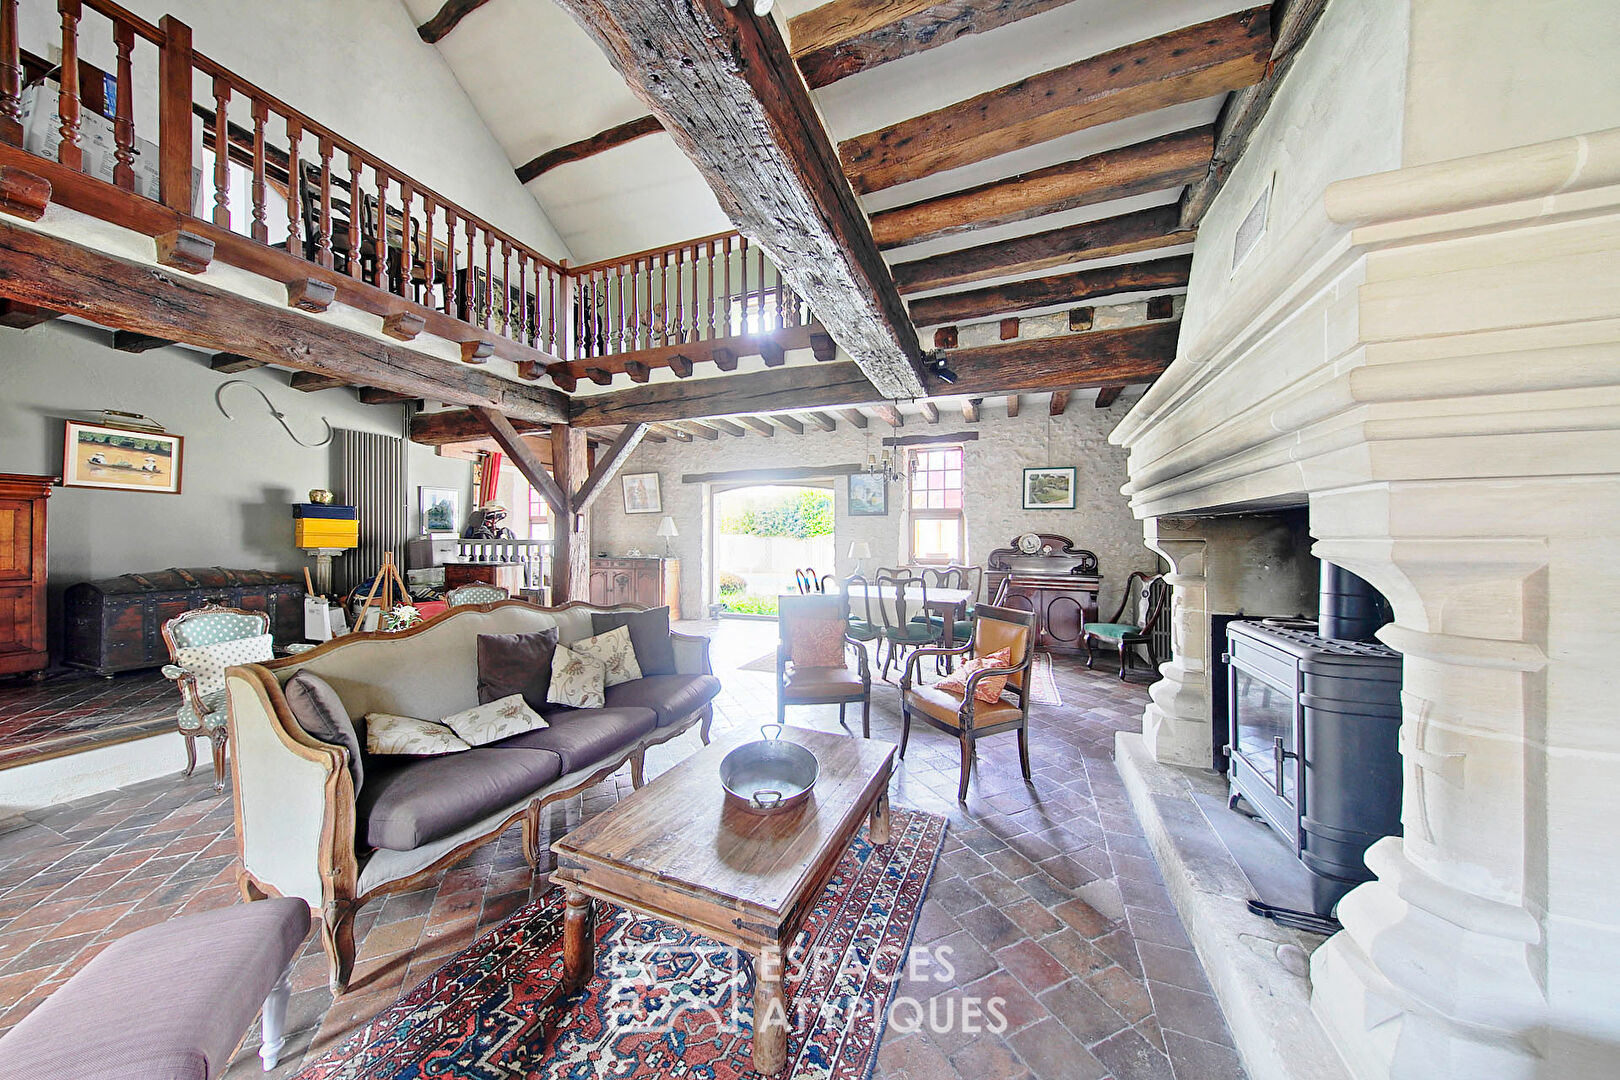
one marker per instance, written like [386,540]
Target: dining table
[950,605]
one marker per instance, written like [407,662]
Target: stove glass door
[1263,714]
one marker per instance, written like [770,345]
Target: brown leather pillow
[516,664]
[649,637]
[817,642]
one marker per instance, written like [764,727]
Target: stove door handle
[1278,757]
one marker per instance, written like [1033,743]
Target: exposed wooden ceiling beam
[1292,23]
[930,411]
[822,421]
[21,316]
[728,427]
[608,463]
[617,135]
[772,347]
[1059,289]
[854,417]
[446,18]
[1012,405]
[672,432]
[890,415]
[1188,64]
[811,387]
[970,410]
[230,363]
[527,461]
[723,84]
[702,431]
[1126,234]
[37,268]
[1132,354]
[1107,395]
[1060,403]
[449,426]
[789,423]
[761,425]
[309,382]
[1165,162]
[370,395]
[129,341]
[844,37]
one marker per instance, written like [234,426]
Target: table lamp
[859,550]
[666,529]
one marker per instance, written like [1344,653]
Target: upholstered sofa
[301,830]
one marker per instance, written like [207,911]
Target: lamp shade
[860,549]
[666,527]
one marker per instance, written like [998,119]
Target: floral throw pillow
[817,642]
[494,720]
[989,688]
[576,680]
[208,662]
[390,734]
[613,651]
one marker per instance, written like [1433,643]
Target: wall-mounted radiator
[375,483]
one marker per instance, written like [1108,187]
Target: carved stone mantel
[1442,386]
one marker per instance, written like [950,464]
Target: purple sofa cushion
[169,1002]
[321,713]
[649,637]
[409,802]
[583,737]
[516,664]
[672,697]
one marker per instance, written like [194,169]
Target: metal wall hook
[281,417]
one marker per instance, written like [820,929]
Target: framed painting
[868,495]
[441,509]
[121,459]
[642,494]
[1049,488]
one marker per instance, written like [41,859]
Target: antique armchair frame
[186,683]
[968,731]
[838,605]
[1158,593]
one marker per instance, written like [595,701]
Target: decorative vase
[321,497]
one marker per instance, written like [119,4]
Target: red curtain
[490,480]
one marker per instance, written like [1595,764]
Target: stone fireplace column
[1176,723]
[1489,943]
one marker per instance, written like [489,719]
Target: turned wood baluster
[506,289]
[406,252]
[323,242]
[664,325]
[379,230]
[742,308]
[489,278]
[697,321]
[428,211]
[222,154]
[357,216]
[124,109]
[469,285]
[295,177]
[11,74]
[69,153]
[635,305]
[621,336]
[450,262]
[259,230]
[522,301]
[651,316]
[711,289]
[725,310]
[551,313]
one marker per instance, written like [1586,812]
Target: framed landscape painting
[642,494]
[868,495]
[1049,489]
[122,459]
[441,509]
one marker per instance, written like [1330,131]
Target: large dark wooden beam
[617,135]
[446,18]
[52,272]
[450,426]
[1125,234]
[1184,65]
[571,556]
[844,37]
[821,386]
[723,84]
[1134,354]
[21,316]
[680,358]
[1165,162]
[1107,396]
[608,464]
[1292,23]
[1150,276]
[513,445]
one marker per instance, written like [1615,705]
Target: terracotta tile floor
[1047,896]
[73,711]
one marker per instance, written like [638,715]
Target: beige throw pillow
[989,688]
[576,680]
[494,720]
[390,734]
[613,651]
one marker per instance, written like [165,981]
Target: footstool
[169,1002]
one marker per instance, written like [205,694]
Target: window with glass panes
[938,530]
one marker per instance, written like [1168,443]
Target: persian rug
[1043,689]
[664,1001]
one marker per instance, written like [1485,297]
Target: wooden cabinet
[508,576]
[22,573]
[1057,581]
[648,582]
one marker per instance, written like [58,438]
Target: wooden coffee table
[677,851]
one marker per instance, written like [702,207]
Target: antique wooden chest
[116,624]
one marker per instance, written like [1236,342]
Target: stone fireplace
[1424,349]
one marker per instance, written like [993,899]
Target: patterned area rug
[664,1001]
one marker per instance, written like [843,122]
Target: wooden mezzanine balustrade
[380,240]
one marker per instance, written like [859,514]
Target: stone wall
[993,481]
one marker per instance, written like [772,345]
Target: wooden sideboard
[1059,584]
[648,582]
[22,573]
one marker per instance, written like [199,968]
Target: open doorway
[762,534]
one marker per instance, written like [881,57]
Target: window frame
[915,514]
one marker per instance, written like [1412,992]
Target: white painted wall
[993,477]
[239,476]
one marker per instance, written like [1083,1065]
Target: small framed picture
[441,509]
[642,494]
[868,495]
[122,459]
[1049,489]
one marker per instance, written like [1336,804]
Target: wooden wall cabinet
[648,582]
[1059,583]
[23,646]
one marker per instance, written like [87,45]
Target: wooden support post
[571,565]
[174,115]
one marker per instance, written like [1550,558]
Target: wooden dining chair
[864,625]
[1151,594]
[963,714]
[898,596]
[813,658]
